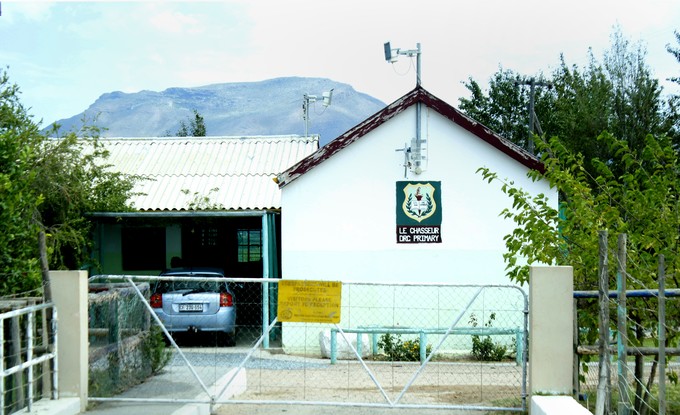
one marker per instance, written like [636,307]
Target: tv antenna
[306,99]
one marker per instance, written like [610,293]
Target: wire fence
[124,347]
[435,346]
[636,342]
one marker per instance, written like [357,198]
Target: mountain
[270,107]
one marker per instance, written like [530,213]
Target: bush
[484,349]
[154,350]
[396,350]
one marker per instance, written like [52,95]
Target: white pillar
[69,294]
[551,330]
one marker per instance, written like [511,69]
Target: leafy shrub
[154,350]
[485,349]
[396,350]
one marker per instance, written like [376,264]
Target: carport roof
[231,173]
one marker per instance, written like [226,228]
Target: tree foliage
[74,179]
[505,108]
[675,51]
[19,268]
[641,202]
[673,109]
[193,127]
[50,185]
[617,94]
[615,165]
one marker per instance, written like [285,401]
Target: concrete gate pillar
[69,294]
[551,330]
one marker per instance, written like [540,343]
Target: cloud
[30,11]
[169,21]
[90,48]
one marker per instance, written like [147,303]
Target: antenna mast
[417,148]
[306,99]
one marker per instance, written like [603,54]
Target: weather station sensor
[415,156]
[392,55]
[326,99]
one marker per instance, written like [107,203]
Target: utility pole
[533,83]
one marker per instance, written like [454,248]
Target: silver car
[196,305]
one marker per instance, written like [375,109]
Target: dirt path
[349,385]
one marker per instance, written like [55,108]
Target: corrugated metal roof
[234,173]
[419,94]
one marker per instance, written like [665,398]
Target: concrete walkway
[165,387]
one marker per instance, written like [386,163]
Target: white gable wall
[339,219]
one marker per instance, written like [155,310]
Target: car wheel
[226,339]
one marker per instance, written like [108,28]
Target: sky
[63,55]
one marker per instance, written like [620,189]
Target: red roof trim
[416,95]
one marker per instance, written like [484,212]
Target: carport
[202,201]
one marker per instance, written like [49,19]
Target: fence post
[662,335]
[551,291]
[114,337]
[577,360]
[602,404]
[622,328]
[69,294]
[15,360]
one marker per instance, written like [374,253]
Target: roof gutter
[183,214]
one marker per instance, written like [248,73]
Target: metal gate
[435,346]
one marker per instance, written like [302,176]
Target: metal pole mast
[417,64]
[532,82]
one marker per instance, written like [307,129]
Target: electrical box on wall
[418,155]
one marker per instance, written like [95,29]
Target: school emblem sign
[419,214]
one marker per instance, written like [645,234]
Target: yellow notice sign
[309,301]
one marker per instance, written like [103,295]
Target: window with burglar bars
[249,245]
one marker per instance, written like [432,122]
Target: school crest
[419,202]
[419,212]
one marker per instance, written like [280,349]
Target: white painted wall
[339,219]
[556,405]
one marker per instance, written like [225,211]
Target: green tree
[583,109]
[194,127]
[673,110]
[74,179]
[618,95]
[48,185]
[641,202]
[505,109]
[19,267]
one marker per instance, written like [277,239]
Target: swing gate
[435,346]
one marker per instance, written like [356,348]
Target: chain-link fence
[125,348]
[439,346]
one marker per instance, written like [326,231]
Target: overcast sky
[64,55]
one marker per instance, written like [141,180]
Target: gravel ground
[331,410]
[291,378]
[284,378]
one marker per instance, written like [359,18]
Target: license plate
[191,307]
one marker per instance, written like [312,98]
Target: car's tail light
[226,300]
[156,300]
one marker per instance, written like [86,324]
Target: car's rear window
[198,284]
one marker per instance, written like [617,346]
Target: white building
[398,198]
[340,205]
